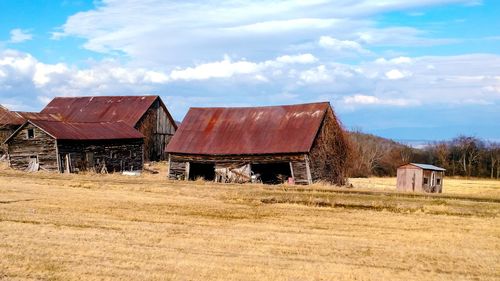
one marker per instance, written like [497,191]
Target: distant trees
[372,155]
[462,156]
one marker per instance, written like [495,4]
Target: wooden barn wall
[177,167]
[328,156]
[20,149]
[5,132]
[158,129]
[119,155]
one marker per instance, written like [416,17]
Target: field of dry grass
[457,186]
[95,227]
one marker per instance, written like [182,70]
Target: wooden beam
[187,171]
[308,169]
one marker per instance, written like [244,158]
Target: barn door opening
[201,170]
[273,173]
[33,164]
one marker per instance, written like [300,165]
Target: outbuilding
[71,147]
[147,114]
[105,133]
[420,178]
[301,144]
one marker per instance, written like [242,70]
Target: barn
[147,114]
[53,145]
[300,143]
[106,133]
[420,178]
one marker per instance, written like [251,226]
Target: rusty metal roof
[128,109]
[8,117]
[249,130]
[87,131]
[39,116]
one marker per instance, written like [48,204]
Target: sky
[410,70]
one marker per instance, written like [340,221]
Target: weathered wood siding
[409,178]
[300,172]
[158,129]
[119,155]
[328,156]
[5,132]
[21,148]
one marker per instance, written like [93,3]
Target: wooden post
[67,169]
[168,170]
[308,170]
[291,171]
[57,157]
[187,171]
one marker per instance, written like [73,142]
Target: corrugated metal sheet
[249,130]
[428,167]
[8,117]
[128,109]
[39,116]
[88,131]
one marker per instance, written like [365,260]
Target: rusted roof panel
[39,116]
[249,130]
[128,109]
[8,117]
[88,131]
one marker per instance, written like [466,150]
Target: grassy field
[95,227]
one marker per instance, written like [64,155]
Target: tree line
[465,156]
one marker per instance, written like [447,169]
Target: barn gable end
[328,156]
[41,148]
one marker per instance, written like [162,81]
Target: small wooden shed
[420,178]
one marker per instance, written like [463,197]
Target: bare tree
[469,153]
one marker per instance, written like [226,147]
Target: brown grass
[104,227]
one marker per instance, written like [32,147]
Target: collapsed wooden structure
[420,178]
[109,134]
[295,143]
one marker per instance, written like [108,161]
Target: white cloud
[455,80]
[19,35]
[337,45]
[221,69]
[315,75]
[302,58]
[397,60]
[372,100]
[171,32]
[395,74]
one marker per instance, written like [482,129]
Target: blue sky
[408,70]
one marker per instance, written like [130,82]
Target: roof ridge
[110,96]
[264,106]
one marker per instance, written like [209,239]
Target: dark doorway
[201,170]
[273,173]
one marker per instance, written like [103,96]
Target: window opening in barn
[31,133]
[272,173]
[201,170]
[426,180]
[438,181]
